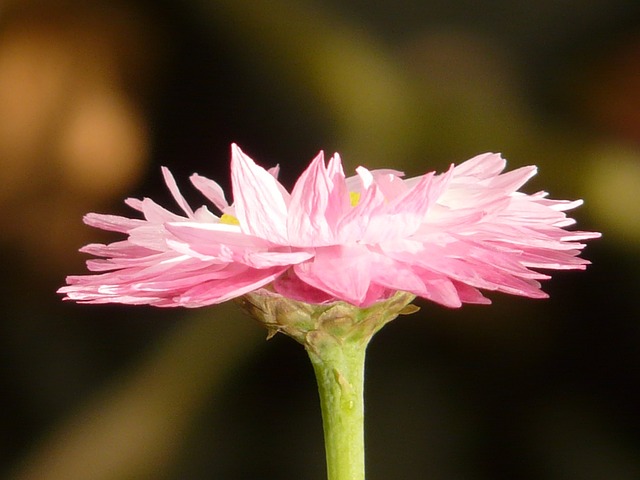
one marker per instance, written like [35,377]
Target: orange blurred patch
[74,134]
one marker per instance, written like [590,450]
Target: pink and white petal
[211,190]
[579,235]
[355,182]
[474,195]
[134,203]
[417,200]
[551,259]
[203,215]
[376,293]
[259,204]
[218,253]
[391,186]
[307,224]
[151,236]
[395,275]
[506,261]
[469,294]
[202,235]
[110,264]
[318,201]
[563,205]
[438,262]
[86,296]
[162,282]
[343,271]
[511,181]
[272,259]
[290,286]
[100,265]
[485,165]
[154,213]
[122,250]
[179,284]
[439,289]
[93,295]
[339,198]
[385,172]
[491,278]
[361,218]
[522,210]
[218,291]
[402,217]
[274,171]
[175,192]
[171,267]
[189,272]
[113,223]
[520,236]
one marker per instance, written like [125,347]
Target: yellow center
[229,219]
[354,197]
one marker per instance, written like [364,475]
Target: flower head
[358,240]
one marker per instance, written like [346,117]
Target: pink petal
[151,236]
[175,191]
[211,190]
[212,292]
[511,181]
[112,223]
[468,294]
[319,198]
[289,285]
[395,275]
[259,203]
[354,225]
[486,165]
[154,213]
[390,183]
[272,259]
[353,281]
[202,235]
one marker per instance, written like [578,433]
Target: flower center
[354,197]
[229,219]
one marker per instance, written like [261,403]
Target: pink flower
[358,239]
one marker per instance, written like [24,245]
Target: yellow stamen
[354,197]
[229,219]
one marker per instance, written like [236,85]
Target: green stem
[339,369]
[335,336]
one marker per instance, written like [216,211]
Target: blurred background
[96,95]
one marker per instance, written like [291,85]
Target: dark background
[95,96]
